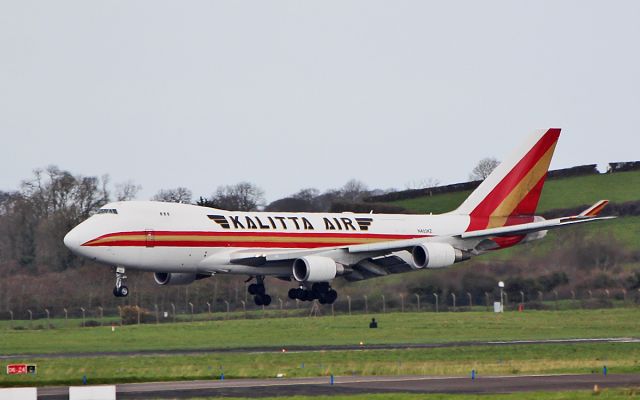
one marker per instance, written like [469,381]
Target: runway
[274,349]
[359,385]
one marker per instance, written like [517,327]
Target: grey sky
[310,94]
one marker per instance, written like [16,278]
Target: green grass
[557,193]
[282,332]
[606,394]
[457,361]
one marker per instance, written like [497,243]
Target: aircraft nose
[72,239]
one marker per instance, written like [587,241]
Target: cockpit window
[107,211]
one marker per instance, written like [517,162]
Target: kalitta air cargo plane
[181,243]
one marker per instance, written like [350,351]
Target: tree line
[35,217]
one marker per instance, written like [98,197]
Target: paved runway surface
[360,384]
[272,349]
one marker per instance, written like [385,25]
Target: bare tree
[307,194]
[243,196]
[306,200]
[354,190]
[127,191]
[177,195]
[483,169]
[422,183]
[49,205]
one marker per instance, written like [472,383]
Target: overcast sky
[294,94]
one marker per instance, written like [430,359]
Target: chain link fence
[57,317]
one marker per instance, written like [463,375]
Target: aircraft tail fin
[513,189]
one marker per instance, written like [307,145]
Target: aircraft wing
[523,229]
[588,215]
[379,256]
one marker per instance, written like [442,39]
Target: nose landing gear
[260,297]
[121,289]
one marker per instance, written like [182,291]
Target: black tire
[308,295]
[258,300]
[115,292]
[331,296]
[293,294]
[252,289]
[266,299]
[124,291]
[321,287]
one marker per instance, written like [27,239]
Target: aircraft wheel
[258,300]
[266,299]
[293,294]
[331,296]
[115,292]
[124,291]
[253,289]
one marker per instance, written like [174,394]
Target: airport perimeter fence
[54,317]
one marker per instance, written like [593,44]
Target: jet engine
[176,278]
[316,269]
[436,255]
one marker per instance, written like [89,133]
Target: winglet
[594,210]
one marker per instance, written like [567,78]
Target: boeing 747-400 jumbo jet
[181,243]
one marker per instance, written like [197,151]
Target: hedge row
[580,170]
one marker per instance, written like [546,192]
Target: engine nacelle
[316,269]
[174,278]
[435,255]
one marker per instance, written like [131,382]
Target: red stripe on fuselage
[239,239]
[187,243]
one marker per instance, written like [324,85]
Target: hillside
[595,256]
[558,193]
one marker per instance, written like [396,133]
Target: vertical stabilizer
[513,189]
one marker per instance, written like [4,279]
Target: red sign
[18,369]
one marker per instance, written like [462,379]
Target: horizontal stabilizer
[595,209]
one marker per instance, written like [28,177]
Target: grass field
[575,395]
[459,361]
[394,328]
[557,193]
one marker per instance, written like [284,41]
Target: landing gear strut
[320,291]
[260,297]
[121,289]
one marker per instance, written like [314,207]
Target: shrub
[130,315]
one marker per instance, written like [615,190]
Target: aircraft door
[150,238]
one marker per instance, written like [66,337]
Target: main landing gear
[260,297]
[121,289]
[320,291]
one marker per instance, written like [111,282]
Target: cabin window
[107,211]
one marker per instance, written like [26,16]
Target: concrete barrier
[19,394]
[92,392]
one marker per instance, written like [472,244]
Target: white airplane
[181,243]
